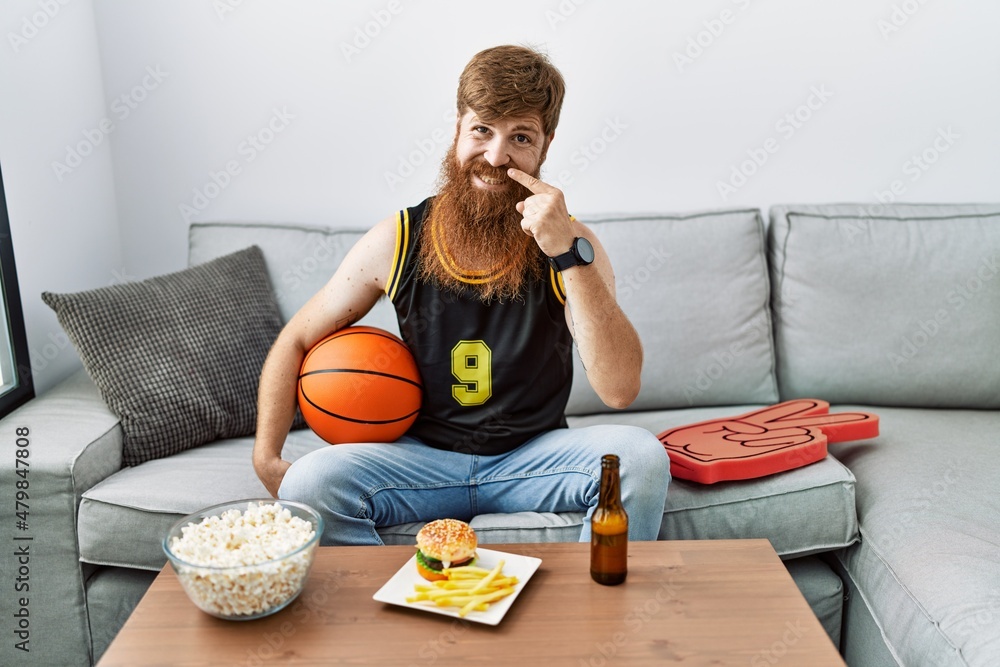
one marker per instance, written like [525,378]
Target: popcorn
[251,545]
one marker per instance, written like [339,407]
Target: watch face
[585,250]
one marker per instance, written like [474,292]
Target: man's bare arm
[347,297]
[609,345]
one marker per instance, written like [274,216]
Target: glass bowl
[244,559]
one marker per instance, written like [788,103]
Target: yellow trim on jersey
[558,286]
[399,253]
[472,276]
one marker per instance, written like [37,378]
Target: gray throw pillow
[888,305]
[177,357]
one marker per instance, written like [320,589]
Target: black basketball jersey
[495,374]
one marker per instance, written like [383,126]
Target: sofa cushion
[112,594]
[696,289]
[177,357]
[123,519]
[888,305]
[823,590]
[927,564]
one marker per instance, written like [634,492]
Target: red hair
[508,81]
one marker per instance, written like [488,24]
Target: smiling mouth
[490,180]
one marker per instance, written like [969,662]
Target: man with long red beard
[492,281]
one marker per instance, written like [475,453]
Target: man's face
[475,228]
[492,148]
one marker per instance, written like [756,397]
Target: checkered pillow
[177,357]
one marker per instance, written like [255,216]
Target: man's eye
[522,139]
[481,129]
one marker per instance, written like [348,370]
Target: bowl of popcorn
[246,559]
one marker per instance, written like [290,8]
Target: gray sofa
[894,541]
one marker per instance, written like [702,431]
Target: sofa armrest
[72,441]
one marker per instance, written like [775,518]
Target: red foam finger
[763,442]
[759,465]
[782,412]
[842,426]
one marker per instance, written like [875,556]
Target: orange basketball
[360,384]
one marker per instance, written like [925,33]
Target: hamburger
[444,543]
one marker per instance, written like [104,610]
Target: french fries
[468,587]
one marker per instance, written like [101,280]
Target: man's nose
[496,154]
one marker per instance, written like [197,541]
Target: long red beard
[472,238]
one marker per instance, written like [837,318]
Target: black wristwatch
[580,253]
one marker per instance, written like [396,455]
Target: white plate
[400,586]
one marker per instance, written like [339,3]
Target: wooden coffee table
[705,602]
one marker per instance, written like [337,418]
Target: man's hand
[271,472]
[546,218]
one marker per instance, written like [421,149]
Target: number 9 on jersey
[471,365]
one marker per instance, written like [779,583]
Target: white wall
[641,128]
[678,130]
[64,222]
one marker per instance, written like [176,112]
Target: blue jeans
[357,487]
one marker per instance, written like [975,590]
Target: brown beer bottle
[609,528]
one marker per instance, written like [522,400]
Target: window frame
[23,389]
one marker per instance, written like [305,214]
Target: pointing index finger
[527,180]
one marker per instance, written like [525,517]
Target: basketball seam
[364,372]
[357,421]
[352,331]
